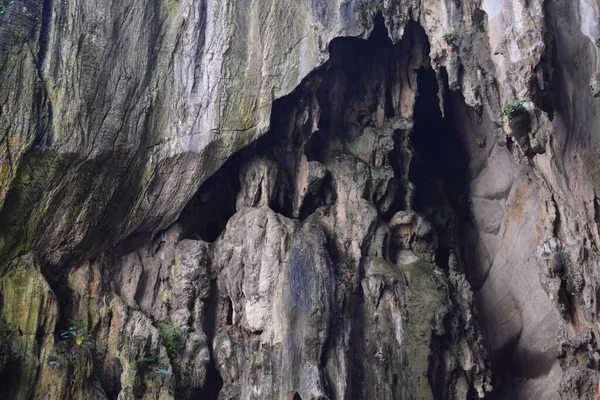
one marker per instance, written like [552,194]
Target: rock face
[232,199]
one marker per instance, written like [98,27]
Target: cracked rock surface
[233,199]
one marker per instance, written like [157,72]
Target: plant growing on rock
[149,360]
[4,8]
[512,108]
[77,332]
[171,337]
[450,37]
[151,363]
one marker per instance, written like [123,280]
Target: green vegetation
[511,108]
[149,360]
[171,337]
[150,363]
[450,37]
[4,8]
[77,333]
[24,207]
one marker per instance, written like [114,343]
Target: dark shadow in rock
[348,99]
[440,164]
[512,364]
[206,215]
[214,384]
[213,319]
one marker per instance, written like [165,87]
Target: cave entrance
[207,213]
[354,89]
[440,163]
[439,167]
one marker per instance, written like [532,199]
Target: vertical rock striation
[236,199]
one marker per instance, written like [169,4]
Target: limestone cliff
[346,199]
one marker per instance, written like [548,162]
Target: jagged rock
[309,182]
[258,180]
[579,384]
[277,279]
[381,223]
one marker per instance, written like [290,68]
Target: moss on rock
[23,287]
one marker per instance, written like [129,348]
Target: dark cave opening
[353,62]
[213,385]
[439,168]
[440,163]
[354,65]
[207,213]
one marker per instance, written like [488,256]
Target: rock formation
[349,199]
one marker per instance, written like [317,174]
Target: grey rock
[347,269]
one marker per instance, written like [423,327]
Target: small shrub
[511,108]
[450,37]
[4,7]
[171,337]
[149,360]
[77,333]
[150,364]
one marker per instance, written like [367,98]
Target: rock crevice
[298,200]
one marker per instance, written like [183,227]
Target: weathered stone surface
[179,99]
[389,236]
